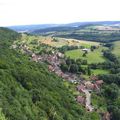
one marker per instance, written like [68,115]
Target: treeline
[65,48]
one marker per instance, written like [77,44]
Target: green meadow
[92,57]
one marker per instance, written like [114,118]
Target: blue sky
[21,12]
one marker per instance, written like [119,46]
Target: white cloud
[13,12]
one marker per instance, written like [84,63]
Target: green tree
[73,68]
[111,91]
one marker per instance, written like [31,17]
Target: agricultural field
[59,42]
[92,57]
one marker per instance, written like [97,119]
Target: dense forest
[28,91]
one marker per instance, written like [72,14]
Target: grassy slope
[63,41]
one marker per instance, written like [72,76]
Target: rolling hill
[94,31]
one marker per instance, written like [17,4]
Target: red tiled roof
[80,87]
[80,99]
[90,86]
[99,82]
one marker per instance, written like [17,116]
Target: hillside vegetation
[28,91]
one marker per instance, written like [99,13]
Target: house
[90,86]
[53,52]
[94,77]
[33,55]
[87,82]
[86,50]
[60,55]
[96,87]
[73,81]
[61,74]
[99,82]
[65,76]
[50,68]
[81,88]
[14,46]
[39,58]
[81,100]
[58,72]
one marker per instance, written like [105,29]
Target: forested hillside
[28,91]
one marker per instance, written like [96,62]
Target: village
[82,86]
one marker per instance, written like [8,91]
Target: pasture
[92,57]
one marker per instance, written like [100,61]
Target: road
[88,100]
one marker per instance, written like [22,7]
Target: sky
[24,12]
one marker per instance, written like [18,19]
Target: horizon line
[59,23]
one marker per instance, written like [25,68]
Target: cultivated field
[59,42]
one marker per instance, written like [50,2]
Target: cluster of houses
[67,76]
[90,85]
[53,60]
[86,87]
[54,65]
